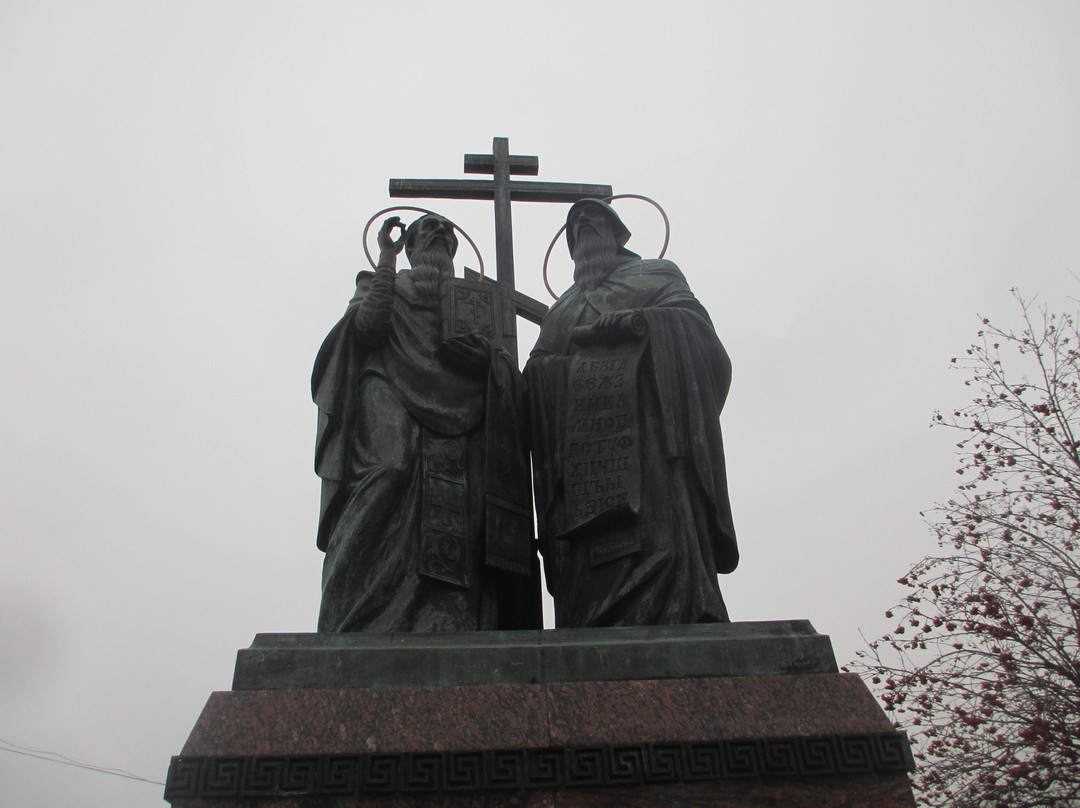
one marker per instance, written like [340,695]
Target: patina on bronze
[626,384]
[521,602]
[426,514]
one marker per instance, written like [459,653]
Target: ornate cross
[501,164]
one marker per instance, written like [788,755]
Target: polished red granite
[268,722]
[271,722]
[581,714]
[731,707]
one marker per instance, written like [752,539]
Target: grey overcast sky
[182,191]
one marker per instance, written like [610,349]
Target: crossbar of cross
[503,190]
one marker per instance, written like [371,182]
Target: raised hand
[386,235]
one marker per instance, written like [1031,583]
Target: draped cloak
[393,415]
[660,566]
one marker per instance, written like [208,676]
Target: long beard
[594,259]
[430,269]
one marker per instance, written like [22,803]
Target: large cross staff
[501,164]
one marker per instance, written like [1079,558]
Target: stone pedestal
[745,714]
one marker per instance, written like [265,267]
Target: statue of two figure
[425,432]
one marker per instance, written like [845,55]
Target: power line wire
[54,757]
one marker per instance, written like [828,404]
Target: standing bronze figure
[626,384]
[426,515]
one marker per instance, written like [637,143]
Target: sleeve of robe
[508,506]
[332,391]
[692,374]
[546,380]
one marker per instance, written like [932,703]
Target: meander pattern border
[319,775]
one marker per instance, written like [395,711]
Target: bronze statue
[426,515]
[626,384]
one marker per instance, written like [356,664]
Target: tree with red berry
[983,666]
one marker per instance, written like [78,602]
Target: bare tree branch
[983,666]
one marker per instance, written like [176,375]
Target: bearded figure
[626,384]
[425,512]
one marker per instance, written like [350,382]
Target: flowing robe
[398,426]
[657,565]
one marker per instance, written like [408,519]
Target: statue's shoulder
[651,272]
[364,279]
[659,266]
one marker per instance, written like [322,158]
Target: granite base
[583,733]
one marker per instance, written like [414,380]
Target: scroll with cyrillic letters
[603,465]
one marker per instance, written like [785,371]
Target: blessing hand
[386,235]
